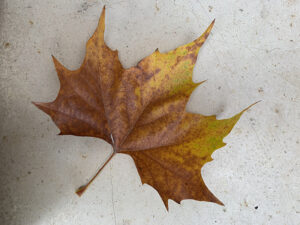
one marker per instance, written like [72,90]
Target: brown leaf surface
[141,112]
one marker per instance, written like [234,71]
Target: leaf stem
[82,189]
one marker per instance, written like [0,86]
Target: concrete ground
[253,54]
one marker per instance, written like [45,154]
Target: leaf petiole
[82,189]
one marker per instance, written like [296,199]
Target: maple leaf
[141,112]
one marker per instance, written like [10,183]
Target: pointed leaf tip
[60,69]
[98,35]
[200,40]
[208,30]
[37,104]
[42,106]
[55,61]
[250,106]
[101,24]
[103,11]
[201,82]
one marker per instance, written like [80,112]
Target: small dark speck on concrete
[256,207]
[84,7]
[6,44]
[30,21]
[219,88]
[241,10]
[156,6]
[210,8]
[29,172]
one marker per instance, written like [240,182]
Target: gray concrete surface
[253,54]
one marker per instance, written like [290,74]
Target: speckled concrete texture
[253,54]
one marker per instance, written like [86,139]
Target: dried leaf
[141,112]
